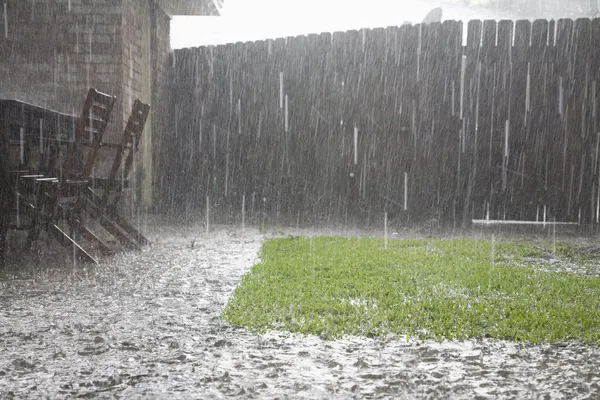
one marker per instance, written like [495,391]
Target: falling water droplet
[544,221]
[22,144]
[41,136]
[207,214]
[492,256]
[239,111]
[506,149]
[355,145]
[243,212]
[286,113]
[17,206]
[405,191]
[554,236]
[385,230]
[561,94]
[281,89]
[227,165]
[5,20]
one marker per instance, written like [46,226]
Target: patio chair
[60,196]
[106,205]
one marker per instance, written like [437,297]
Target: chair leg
[69,243]
[77,226]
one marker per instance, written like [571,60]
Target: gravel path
[148,325]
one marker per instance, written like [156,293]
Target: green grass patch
[429,288]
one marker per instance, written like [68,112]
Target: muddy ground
[148,325]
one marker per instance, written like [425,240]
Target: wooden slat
[578,117]
[470,173]
[69,244]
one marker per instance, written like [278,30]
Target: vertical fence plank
[470,170]
[507,154]
[563,45]
[449,123]
[594,88]
[519,101]
[536,116]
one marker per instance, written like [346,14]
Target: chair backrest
[133,131]
[88,135]
[129,143]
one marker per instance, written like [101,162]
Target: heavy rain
[150,150]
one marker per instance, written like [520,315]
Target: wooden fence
[406,119]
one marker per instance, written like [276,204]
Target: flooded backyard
[148,325]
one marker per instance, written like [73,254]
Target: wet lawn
[428,288]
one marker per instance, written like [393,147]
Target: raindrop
[200,138]
[243,212]
[227,165]
[74,251]
[385,230]
[207,213]
[230,93]
[594,100]
[463,70]
[477,96]
[355,145]
[22,144]
[17,204]
[286,113]
[528,92]
[544,221]
[364,38]
[239,110]
[281,89]
[214,143]
[554,236]
[598,202]
[492,256]
[41,137]
[5,20]
[259,126]
[405,191]
[505,161]
[506,134]
[453,98]
[561,94]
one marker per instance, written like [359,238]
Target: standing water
[149,324]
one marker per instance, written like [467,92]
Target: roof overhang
[191,7]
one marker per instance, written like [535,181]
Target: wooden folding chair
[60,195]
[106,205]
